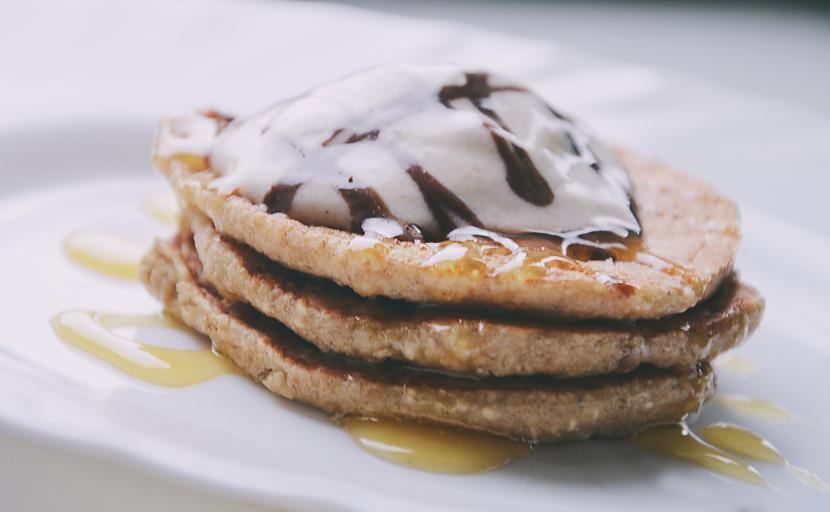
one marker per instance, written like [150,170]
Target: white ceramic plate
[74,154]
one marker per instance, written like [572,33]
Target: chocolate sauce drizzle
[364,203]
[445,206]
[279,198]
[351,139]
[449,211]
[522,175]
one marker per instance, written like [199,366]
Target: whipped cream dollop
[414,151]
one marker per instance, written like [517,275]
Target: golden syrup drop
[495,250]
[743,442]
[431,447]
[737,365]
[755,407]
[809,478]
[681,443]
[162,208]
[94,333]
[457,258]
[105,253]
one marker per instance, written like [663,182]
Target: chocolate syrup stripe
[279,198]
[522,175]
[445,206]
[364,203]
[351,139]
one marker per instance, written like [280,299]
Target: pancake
[691,234]
[335,319]
[533,408]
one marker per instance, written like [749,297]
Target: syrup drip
[681,443]
[430,447]
[755,407]
[749,444]
[105,253]
[95,333]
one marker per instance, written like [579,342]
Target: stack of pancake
[541,338]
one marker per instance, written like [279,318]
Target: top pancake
[690,236]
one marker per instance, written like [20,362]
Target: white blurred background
[778,49]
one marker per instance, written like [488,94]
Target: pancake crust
[534,408]
[685,222]
[337,320]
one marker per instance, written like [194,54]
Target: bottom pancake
[537,408]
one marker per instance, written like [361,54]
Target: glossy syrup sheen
[431,447]
[743,442]
[678,441]
[95,333]
[536,257]
[756,407]
[749,444]
[105,253]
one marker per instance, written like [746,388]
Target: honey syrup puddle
[743,442]
[680,442]
[106,253]
[749,444]
[115,255]
[430,447]
[95,333]
[423,446]
[758,408]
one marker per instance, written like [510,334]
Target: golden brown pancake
[335,319]
[691,235]
[535,408]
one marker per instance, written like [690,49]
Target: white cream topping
[398,130]
[186,132]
